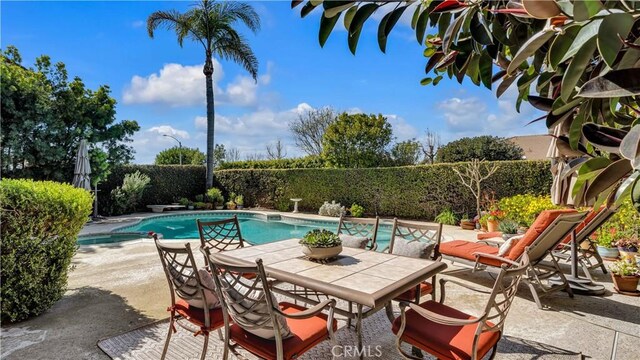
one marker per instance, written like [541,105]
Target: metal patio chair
[221,235]
[357,227]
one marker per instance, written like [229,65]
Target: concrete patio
[115,288]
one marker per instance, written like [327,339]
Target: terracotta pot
[625,283]
[492,225]
[321,253]
[219,207]
[231,206]
[468,225]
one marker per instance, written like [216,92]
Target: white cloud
[402,130]
[184,85]
[149,142]
[168,130]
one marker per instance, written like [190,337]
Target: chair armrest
[441,319]
[374,247]
[310,312]
[494,257]
[444,281]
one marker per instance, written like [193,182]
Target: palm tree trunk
[208,72]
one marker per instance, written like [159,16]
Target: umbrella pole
[95,201]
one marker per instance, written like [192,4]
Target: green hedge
[168,184]
[307,162]
[418,192]
[40,224]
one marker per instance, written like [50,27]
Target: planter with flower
[215,196]
[321,244]
[508,228]
[231,204]
[625,275]
[239,202]
[605,239]
[628,247]
[493,219]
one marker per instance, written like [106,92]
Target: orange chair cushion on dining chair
[196,315]
[444,341]
[306,333]
[541,223]
[466,250]
[410,295]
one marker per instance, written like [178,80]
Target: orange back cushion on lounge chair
[590,215]
[539,225]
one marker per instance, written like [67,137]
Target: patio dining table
[368,279]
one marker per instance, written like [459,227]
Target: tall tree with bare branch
[431,146]
[213,25]
[473,174]
[276,151]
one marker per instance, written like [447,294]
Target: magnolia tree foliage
[171,156]
[579,61]
[357,141]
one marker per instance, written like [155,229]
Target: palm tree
[212,24]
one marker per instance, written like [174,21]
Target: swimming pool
[256,228]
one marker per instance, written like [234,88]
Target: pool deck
[118,287]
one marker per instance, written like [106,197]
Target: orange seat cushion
[489,235]
[444,341]
[465,250]
[410,295]
[541,223]
[196,315]
[306,333]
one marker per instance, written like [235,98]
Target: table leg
[359,330]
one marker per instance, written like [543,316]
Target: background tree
[431,146]
[309,128]
[578,61]
[232,155]
[406,153]
[489,148]
[171,156]
[45,115]
[276,151]
[356,141]
[473,174]
[212,24]
[219,155]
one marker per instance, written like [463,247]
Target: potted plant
[321,244]
[215,195]
[184,202]
[628,247]
[447,217]
[190,205]
[508,228]
[493,219]
[625,275]
[240,202]
[231,204]
[604,247]
[199,205]
[466,223]
[356,210]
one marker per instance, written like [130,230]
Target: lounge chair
[360,228]
[419,241]
[547,231]
[448,333]
[262,326]
[187,287]
[221,235]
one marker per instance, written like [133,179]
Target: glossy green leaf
[326,26]
[603,137]
[452,31]
[480,30]
[613,27]
[307,8]
[386,25]
[541,103]
[355,28]
[560,107]
[421,26]
[586,9]
[529,48]
[486,70]
[588,171]
[576,68]
[333,8]
[437,80]
[616,83]
[561,45]
[630,57]
[586,33]
[630,147]
[635,194]
[575,132]
[433,60]
[504,85]
[348,16]
[607,178]
[426,81]
[416,15]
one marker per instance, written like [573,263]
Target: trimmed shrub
[307,162]
[168,184]
[524,208]
[40,224]
[418,192]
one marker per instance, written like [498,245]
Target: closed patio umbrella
[82,172]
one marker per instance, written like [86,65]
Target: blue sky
[161,85]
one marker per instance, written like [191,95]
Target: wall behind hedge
[168,183]
[419,192]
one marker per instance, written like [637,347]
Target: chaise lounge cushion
[541,223]
[444,341]
[466,250]
[306,333]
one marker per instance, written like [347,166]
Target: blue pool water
[255,228]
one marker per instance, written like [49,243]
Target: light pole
[179,146]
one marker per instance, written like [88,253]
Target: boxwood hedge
[418,192]
[40,223]
[168,184]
